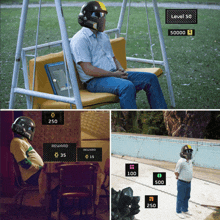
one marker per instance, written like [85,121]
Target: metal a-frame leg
[67,52]
[18,52]
[164,54]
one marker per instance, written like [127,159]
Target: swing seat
[89,100]
[42,84]
[118,46]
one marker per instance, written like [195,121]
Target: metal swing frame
[164,62]
[21,55]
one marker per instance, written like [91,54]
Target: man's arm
[20,156]
[178,169]
[118,65]
[177,175]
[91,70]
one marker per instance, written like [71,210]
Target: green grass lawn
[180,1]
[194,61]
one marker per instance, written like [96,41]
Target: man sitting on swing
[99,69]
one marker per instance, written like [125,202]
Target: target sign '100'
[131,170]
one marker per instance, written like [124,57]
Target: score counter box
[53,118]
[59,152]
[181,32]
[89,154]
[181,16]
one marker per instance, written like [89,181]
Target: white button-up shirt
[185,169]
[86,47]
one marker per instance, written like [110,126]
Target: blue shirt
[86,47]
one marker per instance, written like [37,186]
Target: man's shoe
[187,213]
[180,215]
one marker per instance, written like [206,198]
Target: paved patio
[204,190]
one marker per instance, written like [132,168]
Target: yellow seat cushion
[157,71]
[118,47]
[89,100]
[42,84]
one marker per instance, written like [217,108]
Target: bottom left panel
[55,165]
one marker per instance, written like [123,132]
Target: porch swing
[39,89]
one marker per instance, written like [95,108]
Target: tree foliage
[213,129]
[141,122]
[194,124]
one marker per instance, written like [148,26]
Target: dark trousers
[183,196]
[33,180]
[126,89]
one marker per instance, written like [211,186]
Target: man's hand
[118,65]
[120,74]
[177,175]
[91,70]
[121,69]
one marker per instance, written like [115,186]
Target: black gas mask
[186,152]
[92,15]
[99,20]
[24,126]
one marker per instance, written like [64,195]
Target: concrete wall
[206,153]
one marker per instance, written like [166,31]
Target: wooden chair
[105,185]
[89,100]
[78,181]
[23,187]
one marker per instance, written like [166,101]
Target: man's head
[24,126]
[92,15]
[186,152]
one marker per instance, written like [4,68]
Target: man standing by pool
[100,70]
[183,172]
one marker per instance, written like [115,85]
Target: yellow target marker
[189,32]
[52,115]
[56,155]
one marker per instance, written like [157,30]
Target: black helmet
[92,15]
[186,152]
[24,126]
